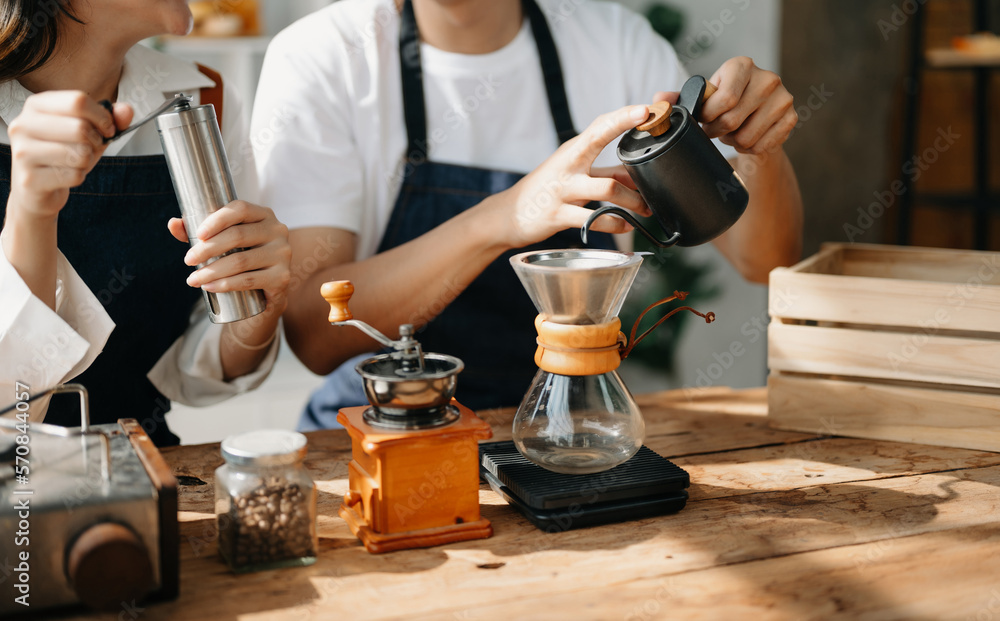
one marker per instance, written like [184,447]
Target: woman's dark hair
[28,33]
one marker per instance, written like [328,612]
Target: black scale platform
[644,486]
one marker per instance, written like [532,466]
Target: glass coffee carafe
[578,417]
[578,423]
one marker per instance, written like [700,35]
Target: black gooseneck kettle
[692,190]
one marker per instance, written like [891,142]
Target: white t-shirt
[42,347]
[328,129]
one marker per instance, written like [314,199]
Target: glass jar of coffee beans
[265,502]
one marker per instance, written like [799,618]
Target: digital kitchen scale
[644,486]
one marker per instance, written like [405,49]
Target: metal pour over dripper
[578,418]
[580,287]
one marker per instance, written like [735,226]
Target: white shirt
[328,129]
[41,347]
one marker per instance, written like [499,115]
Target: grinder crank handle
[338,293]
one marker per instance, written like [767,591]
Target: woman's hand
[264,264]
[55,142]
[551,198]
[752,111]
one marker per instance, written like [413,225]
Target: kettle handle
[694,93]
[628,217]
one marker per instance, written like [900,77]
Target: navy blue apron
[113,231]
[490,325]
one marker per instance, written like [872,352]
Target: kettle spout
[628,217]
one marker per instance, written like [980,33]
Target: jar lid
[267,447]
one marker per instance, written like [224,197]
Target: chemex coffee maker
[577,457]
[89,514]
[578,417]
[414,473]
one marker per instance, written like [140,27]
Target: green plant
[666,20]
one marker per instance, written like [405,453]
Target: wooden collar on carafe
[570,349]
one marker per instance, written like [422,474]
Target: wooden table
[780,525]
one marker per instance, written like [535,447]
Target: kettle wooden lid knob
[658,121]
[337,293]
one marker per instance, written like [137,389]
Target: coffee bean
[268,524]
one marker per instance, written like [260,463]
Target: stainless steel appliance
[89,515]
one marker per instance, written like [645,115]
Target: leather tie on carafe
[572,349]
[709,317]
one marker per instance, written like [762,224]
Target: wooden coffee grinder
[414,472]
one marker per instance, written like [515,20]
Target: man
[393,140]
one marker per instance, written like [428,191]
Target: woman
[96,273]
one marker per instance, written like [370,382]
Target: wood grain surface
[780,525]
[907,412]
[929,290]
[903,356]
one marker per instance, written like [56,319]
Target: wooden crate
[888,342]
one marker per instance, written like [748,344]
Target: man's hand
[551,198]
[752,110]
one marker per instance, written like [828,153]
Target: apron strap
[212,94]
[555,86]
[414,110]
